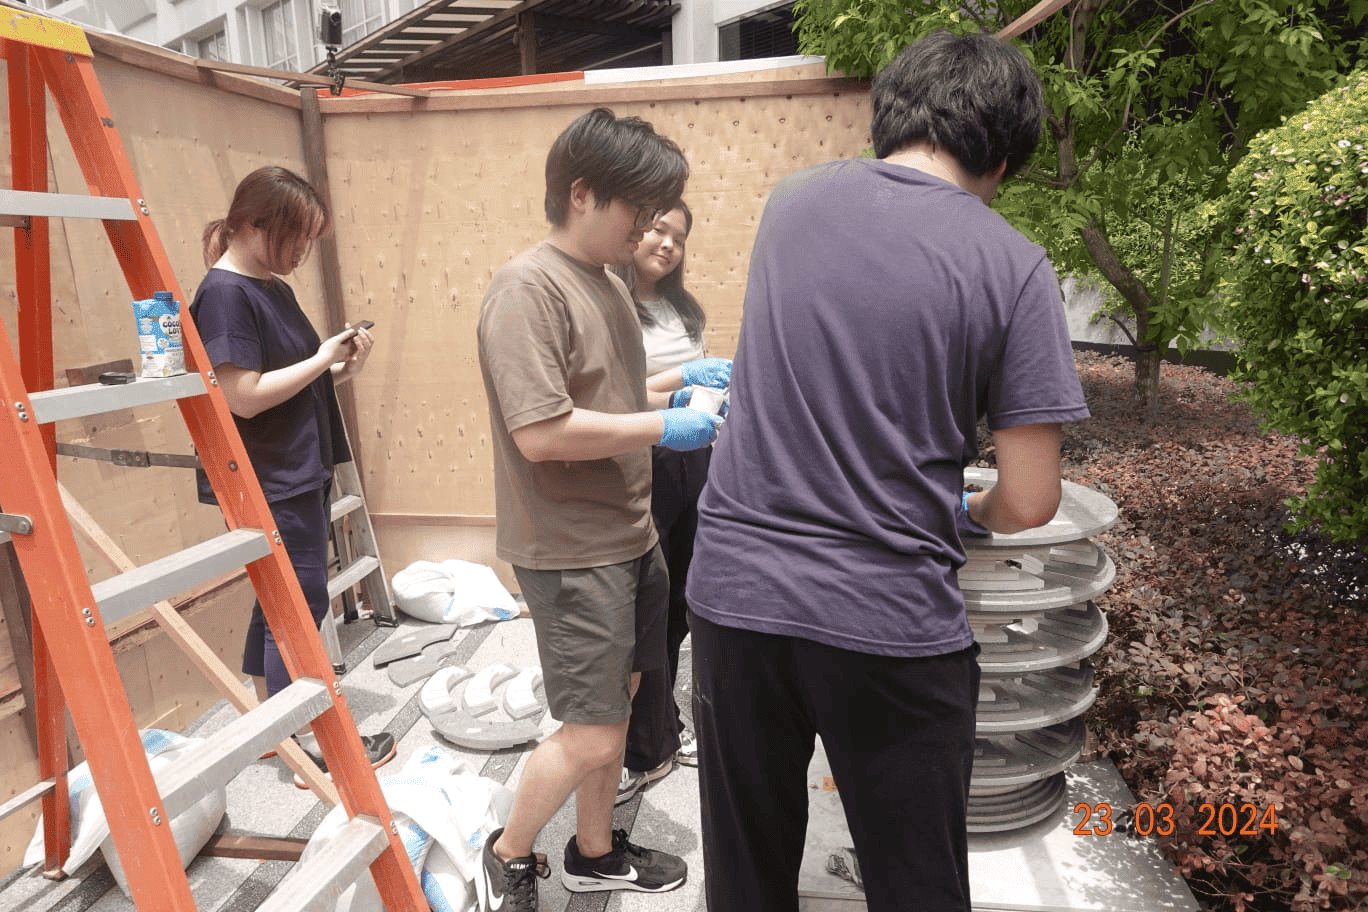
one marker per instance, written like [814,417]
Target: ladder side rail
[32,257]
[33,292]
[146,267]
[68,620]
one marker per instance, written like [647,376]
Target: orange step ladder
[74,666]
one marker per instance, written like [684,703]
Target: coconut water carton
[159,335]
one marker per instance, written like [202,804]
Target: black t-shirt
[259,326]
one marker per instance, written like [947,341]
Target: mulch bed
[1236,669]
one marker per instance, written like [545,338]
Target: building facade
[284,34]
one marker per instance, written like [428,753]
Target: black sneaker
[510,886]
[627,867]
[380,749]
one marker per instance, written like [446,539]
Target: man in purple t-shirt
[888,309]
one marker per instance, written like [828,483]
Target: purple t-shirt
[259,326]
[886,312]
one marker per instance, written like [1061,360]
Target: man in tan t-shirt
[573,423]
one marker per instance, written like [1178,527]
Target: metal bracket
[137,459]
[16,523]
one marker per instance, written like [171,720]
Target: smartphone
[364,324]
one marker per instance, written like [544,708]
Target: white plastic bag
[452,592]
[444,813]
[90,829]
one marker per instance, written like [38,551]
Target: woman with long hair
[672,323]
[278,378]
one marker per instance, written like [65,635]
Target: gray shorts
[594,628]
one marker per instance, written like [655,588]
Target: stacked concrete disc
[1029,598]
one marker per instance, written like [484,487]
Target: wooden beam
[14,601]
[316,168]
[527,43]
[1032,17]
[601,95]
[262,848]
[222,73]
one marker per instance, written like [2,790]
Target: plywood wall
[431,203]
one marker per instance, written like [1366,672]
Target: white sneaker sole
[597,885]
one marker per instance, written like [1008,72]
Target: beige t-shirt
[556,333]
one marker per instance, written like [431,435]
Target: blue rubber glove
[714,372]
[680,397]
[688,429]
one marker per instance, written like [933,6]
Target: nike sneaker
[510,886]
[627,867]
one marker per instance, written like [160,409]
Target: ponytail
[216,237]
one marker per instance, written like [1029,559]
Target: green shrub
[1297,283]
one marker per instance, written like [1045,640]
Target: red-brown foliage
[1236,672]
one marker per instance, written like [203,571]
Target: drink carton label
[159,337]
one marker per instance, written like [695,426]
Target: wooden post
[316,164]
[527,43]
[14,601]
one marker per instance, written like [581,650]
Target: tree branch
[1165,27]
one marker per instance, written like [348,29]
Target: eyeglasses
[646,216]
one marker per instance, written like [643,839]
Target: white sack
[452,592]
[90,829]
[444,813]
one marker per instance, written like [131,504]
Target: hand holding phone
[364,324]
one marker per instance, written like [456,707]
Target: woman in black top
[277,376]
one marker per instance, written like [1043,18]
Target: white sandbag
[90,829]
[191,828]
[452,592]
[444,812]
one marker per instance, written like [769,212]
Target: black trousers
[677,480]
[303,524]
[900,737]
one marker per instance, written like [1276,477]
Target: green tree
[1151,104]
[1297,293]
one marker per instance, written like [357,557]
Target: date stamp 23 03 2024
[1146,819]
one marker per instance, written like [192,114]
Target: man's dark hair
[975,95]
[622,157]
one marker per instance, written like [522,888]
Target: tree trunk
[1147,362]
[1148,357]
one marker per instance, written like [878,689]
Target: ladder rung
[352,574]
[143,586]
[316,884]
[65,205]
[97,399]
[348,503]
[26,797]
[238,744]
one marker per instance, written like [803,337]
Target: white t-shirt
[667,342]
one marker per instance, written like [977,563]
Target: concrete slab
[1043,868]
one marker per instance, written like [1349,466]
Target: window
[766,34]
[212,47]
[360,18]
[278,30]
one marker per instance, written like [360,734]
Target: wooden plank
[590,96]
[176,66]
[14,599]
[1032,17]
[184,636]
[316,166]
[263,848]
